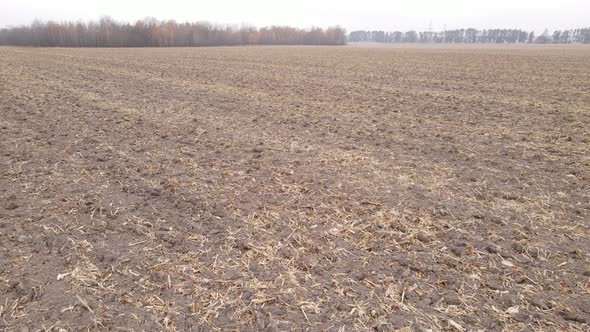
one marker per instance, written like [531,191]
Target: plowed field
[295,188]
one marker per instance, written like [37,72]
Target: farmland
[295,188]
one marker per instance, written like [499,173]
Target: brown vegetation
[295,188]
[153,33]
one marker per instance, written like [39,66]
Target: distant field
[295,188]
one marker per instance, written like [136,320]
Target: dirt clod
[453,299]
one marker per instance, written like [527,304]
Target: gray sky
[359,14]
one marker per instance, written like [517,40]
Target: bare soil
[295,188]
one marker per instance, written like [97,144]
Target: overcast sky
[360,14]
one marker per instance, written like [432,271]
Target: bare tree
[499,36]
[151,32]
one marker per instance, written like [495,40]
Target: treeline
[153,33]
[472,36]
